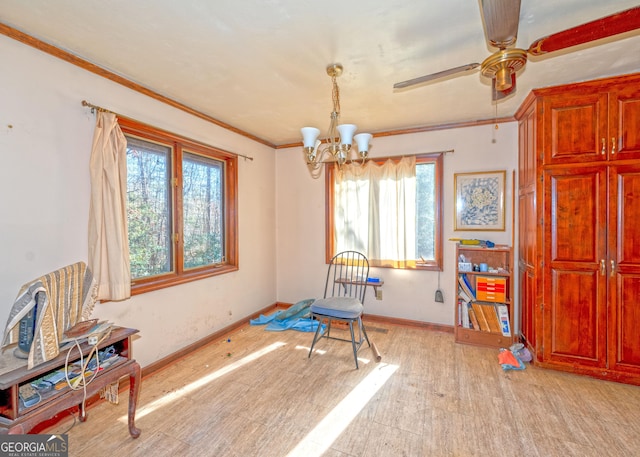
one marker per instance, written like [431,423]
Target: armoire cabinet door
[624,268]
[527,226]
[575,284]
[624,124]
[575,128]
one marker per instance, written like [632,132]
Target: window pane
[425,211]
[148,208]
[203,210]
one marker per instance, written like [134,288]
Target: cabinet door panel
[527,285]
[576,215]
[624,112]
[575,128]
[575,319]
[574,297]
[527,152]
[527,229]
[624,272]
[625,349]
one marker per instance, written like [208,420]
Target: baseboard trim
[408,323]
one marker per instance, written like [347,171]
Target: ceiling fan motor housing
[501,64]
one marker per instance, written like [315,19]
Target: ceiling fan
[501,19]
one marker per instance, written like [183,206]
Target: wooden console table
[15,417]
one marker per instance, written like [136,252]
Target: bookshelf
[484,311]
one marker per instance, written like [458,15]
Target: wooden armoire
[579,227]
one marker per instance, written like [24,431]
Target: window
[181,208]
[363,213]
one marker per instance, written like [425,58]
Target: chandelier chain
[336,95]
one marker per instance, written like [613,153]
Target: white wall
[45,143]
[407,294]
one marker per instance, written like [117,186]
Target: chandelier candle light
[339,147]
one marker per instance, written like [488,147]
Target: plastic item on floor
[509,361]
[521,352]
[293,318]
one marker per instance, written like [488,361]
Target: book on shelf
[472,317]
[463,314]
[466,287]
[483,324]
[469,285]
[503,317]
[464,296]
[492,317]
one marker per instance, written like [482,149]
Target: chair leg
[353,344]
[366,337]
[315,336]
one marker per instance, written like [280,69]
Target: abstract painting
[479,200]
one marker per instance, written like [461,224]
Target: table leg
[134,390]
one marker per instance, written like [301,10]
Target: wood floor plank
[257,393]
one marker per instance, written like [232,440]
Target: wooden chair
[343,300]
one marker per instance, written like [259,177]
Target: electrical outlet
[378,294]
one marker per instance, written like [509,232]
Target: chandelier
[336,147]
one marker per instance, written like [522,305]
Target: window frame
[178,145]
[430,265]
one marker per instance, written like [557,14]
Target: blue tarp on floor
[294,318]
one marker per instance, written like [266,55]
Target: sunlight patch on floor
[197,384]
[322,352]
[317,351]
[329,429]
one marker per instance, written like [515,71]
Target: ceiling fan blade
[440,74]
[615,24]
[500,94]
[501,18]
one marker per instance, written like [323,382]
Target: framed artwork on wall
[480,200]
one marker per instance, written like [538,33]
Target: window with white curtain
[388,209]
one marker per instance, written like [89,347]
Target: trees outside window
[181,208]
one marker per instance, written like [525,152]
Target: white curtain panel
[375,211]
[108,234]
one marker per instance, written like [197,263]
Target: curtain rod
[104,110]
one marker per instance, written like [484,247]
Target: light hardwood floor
[255,393]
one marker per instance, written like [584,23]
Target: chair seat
[339,307]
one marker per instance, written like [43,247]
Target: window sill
[162,282]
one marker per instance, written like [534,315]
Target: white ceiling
[259,65]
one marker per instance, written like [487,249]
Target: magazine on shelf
[503,316]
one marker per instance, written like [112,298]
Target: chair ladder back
[347,276]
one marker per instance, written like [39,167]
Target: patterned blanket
[64,297]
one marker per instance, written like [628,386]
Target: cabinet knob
[604,147]
[613,145]
[603,267]
[613,268]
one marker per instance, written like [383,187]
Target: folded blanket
[64,297]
